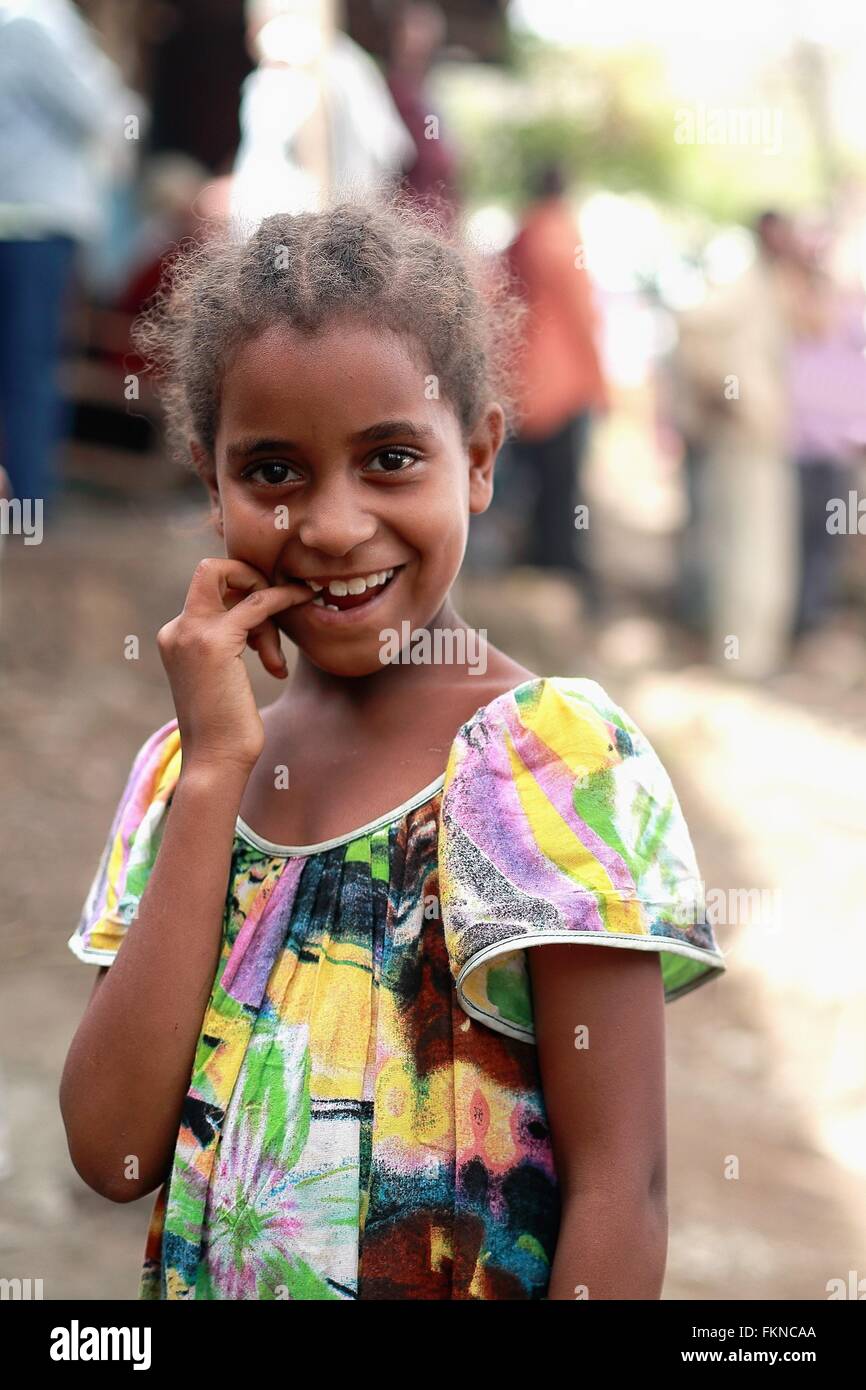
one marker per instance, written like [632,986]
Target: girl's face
[335,461]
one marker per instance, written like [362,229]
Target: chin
[359,646]
[336,656]
[345,663]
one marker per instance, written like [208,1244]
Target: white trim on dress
[418,799]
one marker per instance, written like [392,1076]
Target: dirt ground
[767,1066]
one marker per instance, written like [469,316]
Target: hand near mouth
[230,606]
[264,638]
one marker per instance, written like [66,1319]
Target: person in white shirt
[316,115]
[63,105]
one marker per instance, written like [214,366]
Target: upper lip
[356,574]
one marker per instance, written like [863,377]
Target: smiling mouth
[343,594]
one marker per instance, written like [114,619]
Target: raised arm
[130,1062]
[600,1032]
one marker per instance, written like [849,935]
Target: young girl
[325,1041]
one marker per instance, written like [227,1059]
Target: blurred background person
[417,34]
[63,105]
[169,210]
[561,383]
[316,114]
[827,423]
[684,407]
[731,370]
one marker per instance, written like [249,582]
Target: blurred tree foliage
[610,119]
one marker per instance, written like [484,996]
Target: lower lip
[348,617]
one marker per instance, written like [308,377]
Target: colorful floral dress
[365,1118]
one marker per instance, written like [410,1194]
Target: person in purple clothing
[418,30]
[827,384]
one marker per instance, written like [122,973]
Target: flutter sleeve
[559,823]
[130,850]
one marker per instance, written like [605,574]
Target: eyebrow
[383,429]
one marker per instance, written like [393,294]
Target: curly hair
[390,265]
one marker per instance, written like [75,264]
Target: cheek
[251,529]
[440,530]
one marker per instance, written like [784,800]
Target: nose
[333,518]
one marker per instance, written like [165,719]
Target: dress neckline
[417,799]
[290,851]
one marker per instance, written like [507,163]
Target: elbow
[108,1184]
[126,1192]
[112,1192]
[649,1198]
[642,1202]
[113,1185]
[108,1180]
[655,1197]
[116,1177]
[94,1175]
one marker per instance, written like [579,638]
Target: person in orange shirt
[560,379]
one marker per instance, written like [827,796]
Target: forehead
[346,376]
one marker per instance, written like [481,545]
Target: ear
[483,446]
[205,467]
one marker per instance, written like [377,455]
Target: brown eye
[273,470]
[398,455]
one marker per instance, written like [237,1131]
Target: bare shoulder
[462,693]
[466,694]
[502,674]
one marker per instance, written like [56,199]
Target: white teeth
[340,587]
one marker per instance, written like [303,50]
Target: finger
[262,604]
[212,580]
[265,640]
[219,584]
[233,595]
